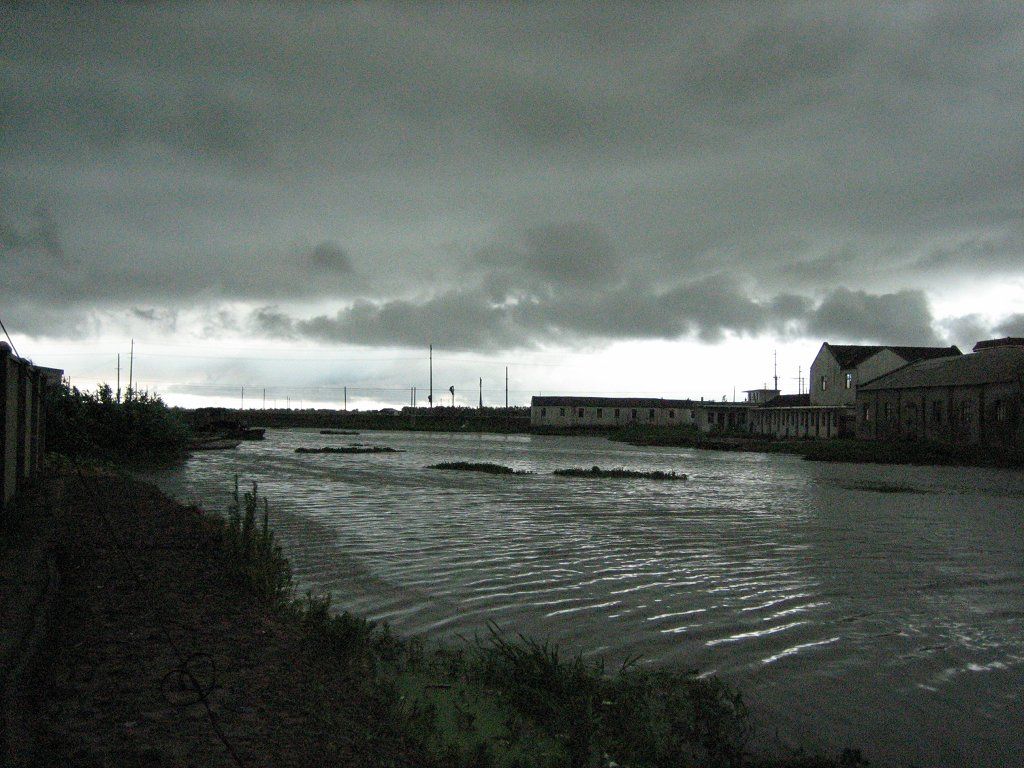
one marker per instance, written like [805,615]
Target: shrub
[253,555]
[137,429]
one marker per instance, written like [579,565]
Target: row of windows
[935,414]
[847,381]
[801,418]
[600,413]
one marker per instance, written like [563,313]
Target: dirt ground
[157,657]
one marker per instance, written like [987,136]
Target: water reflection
[842,597]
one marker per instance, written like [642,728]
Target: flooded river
[854,605]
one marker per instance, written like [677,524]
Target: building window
[866,412]
[888,412]
[824,383]
[600,412]
[651,414]
[1000,410]
[581,413]
[671,413]
[711,418]
[633,413]
[561,411]
[543,412]
[936,411]
[849,380]
[966,415]
[616,413]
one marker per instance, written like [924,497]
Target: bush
[138,429]
[253,554]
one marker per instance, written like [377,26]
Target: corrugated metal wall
[22,426]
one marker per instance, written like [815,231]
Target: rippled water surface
[857,605]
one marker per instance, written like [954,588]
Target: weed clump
[350,449]
[479,466]
[252,553]
[620,472]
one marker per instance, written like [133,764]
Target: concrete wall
[724,417]
[813,422]
[832,385]
[22,442]
[827,385]
[980,414]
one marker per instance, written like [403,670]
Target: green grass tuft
[470,466]
[596,471]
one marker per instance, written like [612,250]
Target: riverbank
[838,449]
[162,652]
[156,655]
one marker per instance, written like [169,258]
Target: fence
[22,422]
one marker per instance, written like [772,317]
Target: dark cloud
[1011,326]
[165,320]
[511,177]
[855,316]
[966,331]
[269,321]
[708,310]
[331,257]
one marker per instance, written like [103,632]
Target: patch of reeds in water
[480,466]
[620,472]
[351,449]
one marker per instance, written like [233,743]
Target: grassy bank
[497,700]
[838,449]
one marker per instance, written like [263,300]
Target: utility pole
[481,392]
[776,355]
[506,387]
[243,399]
[131,364]
[119,377]
[346,398]
[430,397]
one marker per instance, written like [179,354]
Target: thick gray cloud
[507,176]
[1012,326]
[706,309]
[895,318]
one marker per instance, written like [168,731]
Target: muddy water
[857,605]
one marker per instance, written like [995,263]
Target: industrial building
[973,399]
[828,409]
[610,411]
[871,392]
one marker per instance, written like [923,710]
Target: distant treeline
[437,419]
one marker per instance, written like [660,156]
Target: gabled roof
[851,355]
[789,401]
[994,365]
[1006,341]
